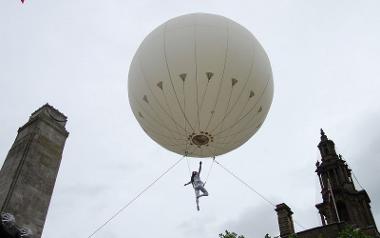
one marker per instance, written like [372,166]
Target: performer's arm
[187,183]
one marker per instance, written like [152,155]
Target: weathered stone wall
[328,231]
[29,172]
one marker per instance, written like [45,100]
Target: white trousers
[199,189]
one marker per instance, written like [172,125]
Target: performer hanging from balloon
[198,185]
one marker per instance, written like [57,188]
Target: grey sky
[75,55]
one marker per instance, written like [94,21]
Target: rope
[135,198]
[246,184]
[188,164]
[209,171]
[252,189]
[356,179]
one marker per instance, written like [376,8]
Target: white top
[197,182]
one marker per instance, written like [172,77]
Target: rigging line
[232,138]
[157,134]
[221,77]
[171,113]
[135,198]
[186,152]
[213,152]
[246,114]
[356,179]
[184,106]
[191,152]
[160,119]
[196,74]
[228,105]
[298,224]
[240,93]
[246,184]
[243,88]
[186,147]
[236,116]
[171,80]
[222,122]
[184,121]
[176,145]
[209,171]
[254,190]
[159,124]
[255,125]
[203,95]
[156,99]
[215,147]
[353,174]
[188,164]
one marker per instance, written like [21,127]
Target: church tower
[30,169]
[341,201]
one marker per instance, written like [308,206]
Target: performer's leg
[204,192]
[196,197]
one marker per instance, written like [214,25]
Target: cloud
[364,159]
[254,222]
[196,227]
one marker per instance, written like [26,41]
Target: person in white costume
[198,185]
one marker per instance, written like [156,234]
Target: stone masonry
[29,172]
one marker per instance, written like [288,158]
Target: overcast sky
[75,55]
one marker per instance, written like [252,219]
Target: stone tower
[341,201]
[285,220]
[30,169]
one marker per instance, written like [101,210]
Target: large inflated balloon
[200,85]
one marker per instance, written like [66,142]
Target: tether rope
[252,189]
[209,171]
[356,179]
[246,184]
[188,164]
[135,198]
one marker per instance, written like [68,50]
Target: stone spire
[323,135]
[341,201]
[326,148]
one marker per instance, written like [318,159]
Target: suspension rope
[246,184]
[356,179]
[252,189]
[353,174]
[209,171]
[135,198]
[188,164]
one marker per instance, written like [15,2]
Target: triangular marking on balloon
[209,75]
[145,98]
[259,125]
[140,115]
[260,109]
[251,94]
[183,76]
[212,112]
[160,85]
[234,81]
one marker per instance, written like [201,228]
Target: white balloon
[200,85]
